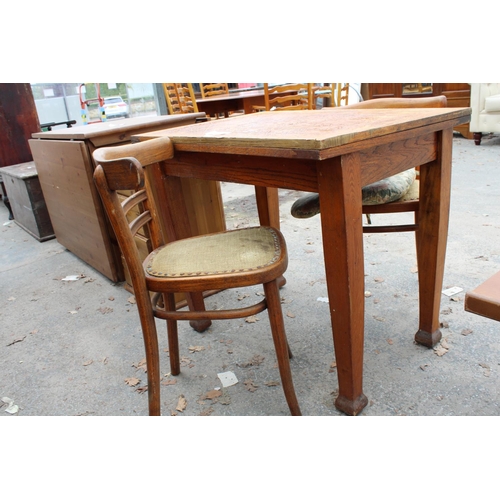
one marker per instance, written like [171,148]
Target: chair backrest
[336,93]
[180,98]
[402,102]
[120,168]
[210,89]
[289,96]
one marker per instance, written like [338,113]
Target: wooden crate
[27,201]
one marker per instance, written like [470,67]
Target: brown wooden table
[234,101]
[335,153]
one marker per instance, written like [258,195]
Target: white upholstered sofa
[485,104]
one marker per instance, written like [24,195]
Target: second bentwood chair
[396,194]
[217,261]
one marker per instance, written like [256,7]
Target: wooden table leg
[268,206]
[339,181]
[434,207]
[172,205]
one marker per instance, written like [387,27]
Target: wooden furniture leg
[174,213]
[339,182]
[268,206]
[5,199]
[280,343]
[152,353]
[435,183]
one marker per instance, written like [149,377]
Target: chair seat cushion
[390,189]
[240,250]
[402,186]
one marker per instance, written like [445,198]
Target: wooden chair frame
[297,96]
[121,168]
[397,206]
[180,98]
[211,89]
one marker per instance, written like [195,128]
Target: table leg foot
[428,339]
[350,407]
[281,281]
[200,325]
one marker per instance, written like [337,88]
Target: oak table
[334,153]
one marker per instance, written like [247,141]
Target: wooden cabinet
[65,168]
[457,94]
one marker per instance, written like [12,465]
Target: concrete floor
[74,347]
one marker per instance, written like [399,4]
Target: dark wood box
[27,201]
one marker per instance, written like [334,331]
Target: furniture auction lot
[82,341]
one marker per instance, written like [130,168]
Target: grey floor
[75,347]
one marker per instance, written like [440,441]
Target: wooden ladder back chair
[180,98]
[332,94]
[398,193]
[216,89]
[230,259]
[211,89]
[290,96]
[287,97]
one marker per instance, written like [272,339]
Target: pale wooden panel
[65,173]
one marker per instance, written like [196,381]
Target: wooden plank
[65,174]
[118,130]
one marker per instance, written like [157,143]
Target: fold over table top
[314,131]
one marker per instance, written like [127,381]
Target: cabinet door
[378,90]
[65,172]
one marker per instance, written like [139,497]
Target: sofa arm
[478,96]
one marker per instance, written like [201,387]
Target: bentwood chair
[287,97]
[217,261]
[180,98]
[398,193]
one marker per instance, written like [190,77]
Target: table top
[233,95]
[127,125]
[304,131]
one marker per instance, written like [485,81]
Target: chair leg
[173,337]
[152,360]
[280,343]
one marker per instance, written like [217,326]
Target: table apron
[377,162]
[389,159]
[255,170]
